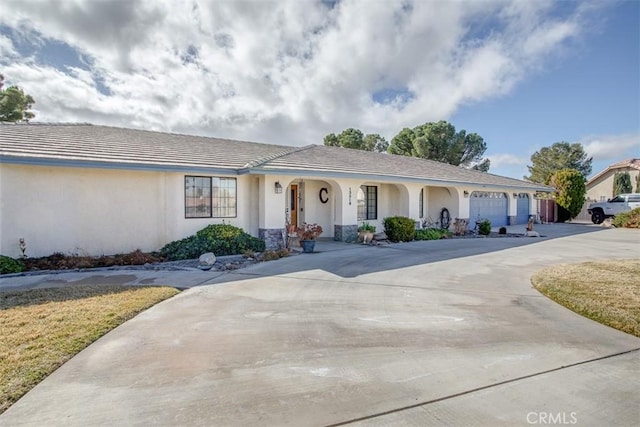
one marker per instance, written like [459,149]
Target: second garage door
[490,205]
[523,208]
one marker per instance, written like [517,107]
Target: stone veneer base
[345,233]
[273,237]
[512,220]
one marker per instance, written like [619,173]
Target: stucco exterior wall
[99,211]
[314,211]
[389,201]
[85,211]
[442,197]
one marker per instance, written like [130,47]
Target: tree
[570,190]
[441,142]
[374,142]
[561,155]
[354,138]
[622,183]
[14,104]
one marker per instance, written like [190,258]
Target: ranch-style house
[81,188]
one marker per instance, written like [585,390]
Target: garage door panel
[490,205]
[523,208]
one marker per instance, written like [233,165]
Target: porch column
[345,228]
[464,204]
[512,218]
[272,217]
[413,202]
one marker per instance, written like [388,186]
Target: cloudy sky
[521,74]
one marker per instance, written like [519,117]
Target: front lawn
[43,328]
[607,292]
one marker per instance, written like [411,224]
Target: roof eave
[95,164]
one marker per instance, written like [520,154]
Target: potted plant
[365,232]
[307,234]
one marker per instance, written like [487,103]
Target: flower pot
[365,236]
[307,246]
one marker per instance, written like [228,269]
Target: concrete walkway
[421,333]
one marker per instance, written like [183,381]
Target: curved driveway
[422,333]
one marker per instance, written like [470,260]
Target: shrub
[60,261]
[10,265]
[399,228]
[431,234]
[221,239]
[270,255]
[484,227]
[570,190]
[367,227]
[629,219]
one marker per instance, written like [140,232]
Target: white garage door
[523,208]
[490,205]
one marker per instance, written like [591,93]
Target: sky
[523,75]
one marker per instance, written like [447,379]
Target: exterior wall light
[278,187]
[466,194]
[515,195]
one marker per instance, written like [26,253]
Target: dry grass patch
[607,292]
[43,328]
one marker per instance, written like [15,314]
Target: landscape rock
[533,234]
[207,259]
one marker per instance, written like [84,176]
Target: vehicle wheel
[597,217]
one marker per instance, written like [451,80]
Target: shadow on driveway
[348,260]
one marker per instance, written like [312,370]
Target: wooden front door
[293,204]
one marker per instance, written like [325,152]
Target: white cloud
[501,160]
[282,72]
[612,147]
[6,47]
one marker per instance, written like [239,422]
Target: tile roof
[337,160]
[103,145]
[623,164]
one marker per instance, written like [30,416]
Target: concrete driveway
[423,333]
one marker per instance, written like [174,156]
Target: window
[367,202]
[617,199]
[209,197]
[421,205]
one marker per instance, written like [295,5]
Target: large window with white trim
[210,197]
[367,202]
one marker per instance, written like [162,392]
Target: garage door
[523,208]
[489,205]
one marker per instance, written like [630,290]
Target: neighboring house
[79,188]
[600,186]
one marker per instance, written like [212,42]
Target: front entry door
[293,204]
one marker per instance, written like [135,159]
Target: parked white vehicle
[612,207]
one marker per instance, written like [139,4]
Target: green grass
[607,292]
[43,328]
